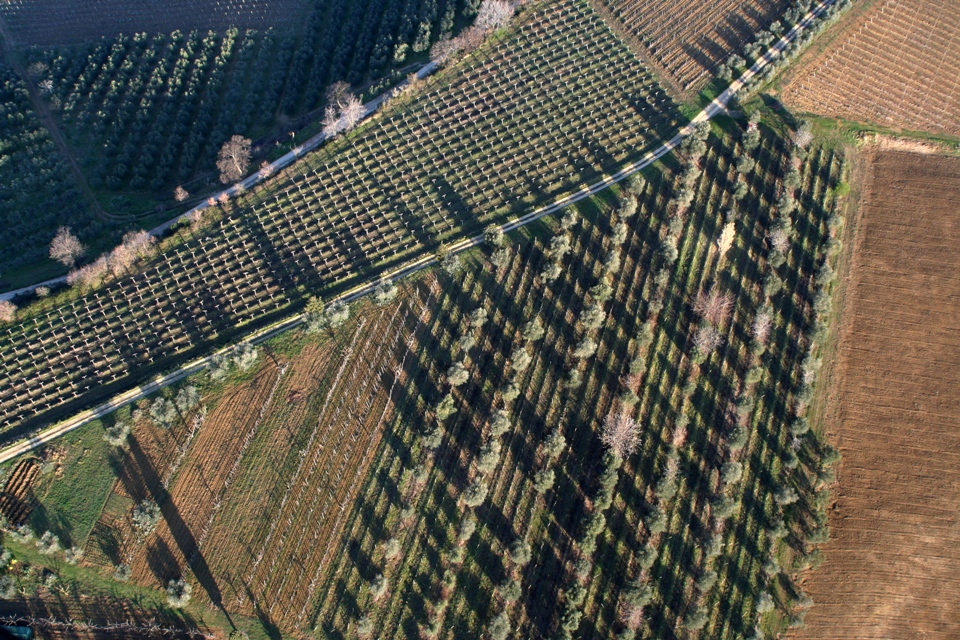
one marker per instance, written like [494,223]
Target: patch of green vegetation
[72,494]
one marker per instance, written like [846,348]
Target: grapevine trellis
[552,106]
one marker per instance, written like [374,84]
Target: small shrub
[178,593]
[493,235]
[245,356]
[49,544]
[786,496]
[765,603]
[585,348]
[8,587]
[569,219]
[500,423]
[696,618]
[365,626]
[145,517]
[520,359]
[451,264]
[510,590]
[457,374]
[476,493]
[544,480]
[391,549]
[121,573]
[533,330]
[73,555]
[446,408]
[520,552]
[554,444]
[379,586]
[477,318]
[500,258]
[510,392]
[499,627]
[163,413]
[385,293]
[117,433]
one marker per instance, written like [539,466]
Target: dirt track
[892,568]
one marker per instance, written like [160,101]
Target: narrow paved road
[715,107]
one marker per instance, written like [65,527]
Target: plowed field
[892,569]
[896,64]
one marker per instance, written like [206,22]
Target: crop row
[427,172]
[437,589]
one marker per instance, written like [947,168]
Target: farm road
[717,106]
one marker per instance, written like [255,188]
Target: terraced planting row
[683,326]
[549,107]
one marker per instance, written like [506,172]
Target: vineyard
[895,65]
[890,570]
[37,191]
[689,41]
[44,22]
[493,505]
[551,106]
[150,111]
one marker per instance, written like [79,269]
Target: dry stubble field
[896,64]
[892,568]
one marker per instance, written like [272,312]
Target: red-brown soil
[892,568]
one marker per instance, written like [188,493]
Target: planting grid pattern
[547,109]
[688,40]
[897,66]
[45,22]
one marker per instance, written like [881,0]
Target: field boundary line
[716,106]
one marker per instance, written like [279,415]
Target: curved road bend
[717,106]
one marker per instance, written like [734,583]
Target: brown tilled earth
[892,568]
[896,64]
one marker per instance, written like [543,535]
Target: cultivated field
[896,65]
[676,540]
[46,22]
[689,40]
[892,567]
[524,120]
[444,467]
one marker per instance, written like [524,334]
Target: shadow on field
[160,557]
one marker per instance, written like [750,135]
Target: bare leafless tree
[706,339]
[90,275]
[761,327]
[621,432]
[352,111]
[8,311]
[234,159]
[180,194]
[331,121]
[65,247]
[803,135]
[713,306]
[140,242]
[494,14]
[337,93]
[266,170]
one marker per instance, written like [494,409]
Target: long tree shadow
[185,540]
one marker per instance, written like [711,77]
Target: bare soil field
[52,22]
[896,65]
[688,40]
[892,568]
